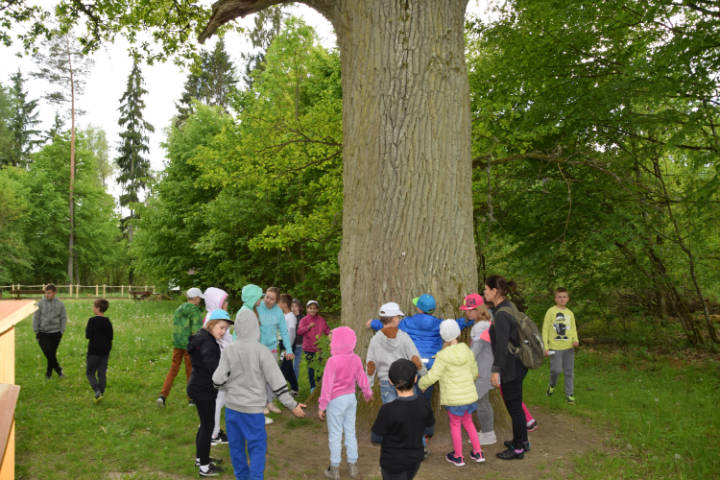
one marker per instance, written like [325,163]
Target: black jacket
[504,329]
[100,333]
[205,355]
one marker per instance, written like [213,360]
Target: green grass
[661,413]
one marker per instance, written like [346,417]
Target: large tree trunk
[407,214]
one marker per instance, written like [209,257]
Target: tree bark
[407,212]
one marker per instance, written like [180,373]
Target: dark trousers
[96,370]
[311,371]
[206,412]
[512,394]
[286,367]
[406,475]
[49,343]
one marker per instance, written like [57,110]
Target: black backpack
[531,351]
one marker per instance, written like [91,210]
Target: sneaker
[269,421]
[213,461]
[457,461]
[221,439]
[487,438]
[210,471]
[570,400]
[532,425]
[426,454]
[191,403]
[271,406]
[478,457]
[160,401]
[333,473]
[98,396]
[550,390]
[509,444]
[510,454]
[353,469]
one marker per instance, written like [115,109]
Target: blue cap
[425,302]
[220,314]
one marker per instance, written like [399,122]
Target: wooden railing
[80,291]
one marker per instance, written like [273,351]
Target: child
[246,366]
[388,345]
[286,365]
[401,425]
[99,332]
[49,322]
[343,370]
[311,327]
[296,307]
[216,299]
[456,370]
[560,337]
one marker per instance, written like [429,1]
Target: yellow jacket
[456,370]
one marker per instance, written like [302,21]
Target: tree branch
[224,11]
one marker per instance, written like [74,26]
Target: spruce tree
[22,122]
[133,163]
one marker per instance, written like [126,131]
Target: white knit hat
[449,330]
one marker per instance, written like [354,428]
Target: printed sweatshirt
[343,369]
[246,366]
[272,323]
[50,317]
[187,319]
[386,346]
[311,327]
[559,330]
[456,370]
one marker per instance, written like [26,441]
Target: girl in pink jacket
[311,327]
[343,371]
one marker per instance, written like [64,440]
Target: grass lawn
[660,412]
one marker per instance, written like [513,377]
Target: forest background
[595,167]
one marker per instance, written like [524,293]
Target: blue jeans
[298,359]
[387,392]
[246,429]
[341,417]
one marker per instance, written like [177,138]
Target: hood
[480,330]
[246,326]
[457,355]
[389,344]
[214,298]
[250,295]
[343,341]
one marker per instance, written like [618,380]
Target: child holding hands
[343,371]
[456,370]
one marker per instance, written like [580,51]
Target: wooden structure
[11,312]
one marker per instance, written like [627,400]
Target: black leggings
[206,412]
[512,394]
[49,343]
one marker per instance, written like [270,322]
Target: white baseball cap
[311,302]
[391,309]
[195,292]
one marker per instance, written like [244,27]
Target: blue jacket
[424,330]
[272,322]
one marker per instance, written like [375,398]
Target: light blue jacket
[272,321]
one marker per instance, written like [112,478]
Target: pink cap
[472,301]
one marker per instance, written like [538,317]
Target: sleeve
[502,337]
[292,328]
[222,372]
[282,327]
[328,379]
[429,422]
[433,375]
[326,328]
[463,323]
[547,325]
[36,318]
[573,329]
[275,379]
[376,324]
[63,317]
[196,321]
[362,380]
[210,357]
[110,327]
[89,330]
[370,362]
[414,356]
[379,428]
[303,326]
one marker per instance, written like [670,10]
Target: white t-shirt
[291,322]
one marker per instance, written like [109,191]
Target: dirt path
[298,450]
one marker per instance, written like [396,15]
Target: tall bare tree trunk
[407,214]
[71,237]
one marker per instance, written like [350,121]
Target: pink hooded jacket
[343,369]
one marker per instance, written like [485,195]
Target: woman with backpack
[508,371]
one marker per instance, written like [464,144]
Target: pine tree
[24,118]
[211,81]
[133,164]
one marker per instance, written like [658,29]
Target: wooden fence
[81,291]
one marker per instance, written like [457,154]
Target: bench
[17,293]
[140,294]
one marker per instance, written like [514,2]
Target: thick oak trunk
[407,216]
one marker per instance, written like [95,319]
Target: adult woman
[205,355]
[507,370]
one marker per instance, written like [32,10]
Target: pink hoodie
[343,369]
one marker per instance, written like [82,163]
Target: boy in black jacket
[401,425]
[99,332]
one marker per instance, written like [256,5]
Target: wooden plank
[8,400]
[13,311]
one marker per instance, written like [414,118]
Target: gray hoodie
[246,366]
[50,317]
[383,351]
